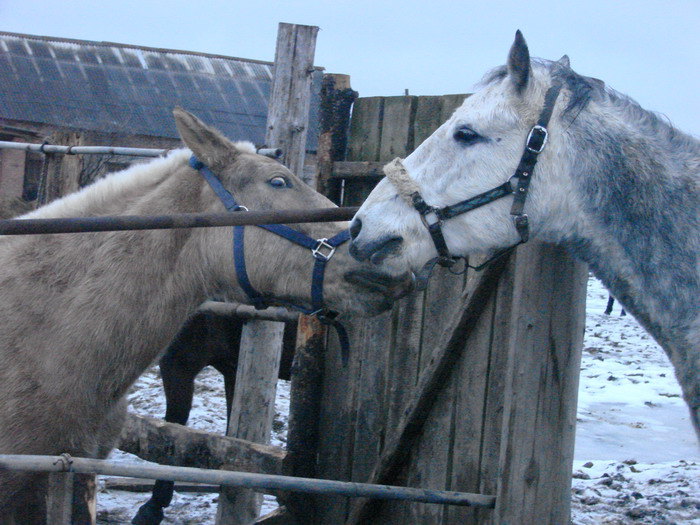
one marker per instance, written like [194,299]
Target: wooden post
[307,371]
[288,112]
[60,173]
[261,341]
[59,501]
[252,410]
[337,97]
[61,176]
[541,387]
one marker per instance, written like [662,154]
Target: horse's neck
[639,229]
[112,301]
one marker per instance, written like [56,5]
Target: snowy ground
[636,458]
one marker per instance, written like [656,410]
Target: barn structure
[78,92]
[468,386]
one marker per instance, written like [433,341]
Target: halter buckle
[322,244]
[431,210]
[538,135]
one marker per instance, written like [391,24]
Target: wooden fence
[469,386]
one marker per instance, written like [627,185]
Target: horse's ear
[564,61]
[519,63]
[207,144]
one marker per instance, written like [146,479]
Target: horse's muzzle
[376,251]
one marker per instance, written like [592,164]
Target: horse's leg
[609,308]
[178,367]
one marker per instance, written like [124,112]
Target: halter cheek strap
[518,185]
[321,249]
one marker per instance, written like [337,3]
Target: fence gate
[469,386]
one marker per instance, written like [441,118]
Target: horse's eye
[466,135]
[279,182]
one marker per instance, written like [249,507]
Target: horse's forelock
[245,146]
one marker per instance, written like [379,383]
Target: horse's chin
[380,289]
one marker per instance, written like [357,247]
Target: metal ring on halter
[241,208]
[323,245]
[432,210]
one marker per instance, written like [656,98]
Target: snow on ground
[636,459]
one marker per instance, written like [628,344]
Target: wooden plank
[433,457]
[449,104]
[398,443]
[155,440]
[430,458]
[537,443]
[304,410]
[366,129]
[59,500]
[470,413]
[428,118]
[338,416]
[357,170]
[364,144]
[84,499]
[370,423]
[397,128]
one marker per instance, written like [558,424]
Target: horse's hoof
[148,514]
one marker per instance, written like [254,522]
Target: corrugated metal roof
[121,88]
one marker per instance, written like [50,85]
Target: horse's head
[277,268]
[476,150]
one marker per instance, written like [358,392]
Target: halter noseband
[517,185]
[321,249]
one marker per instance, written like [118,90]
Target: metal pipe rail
[66,463]
[274,153]
[163,222]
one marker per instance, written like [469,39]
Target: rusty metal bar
[274,153]
[164,222]
[249,480]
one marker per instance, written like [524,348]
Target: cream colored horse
[82,315]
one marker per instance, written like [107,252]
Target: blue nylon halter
[321,249]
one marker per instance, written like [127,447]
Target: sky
[648,50]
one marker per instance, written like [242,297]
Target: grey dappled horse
[82,315]
[614,183]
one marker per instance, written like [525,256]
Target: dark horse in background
[209,338]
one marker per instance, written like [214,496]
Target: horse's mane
[134,180]
[113,187]
[583,90]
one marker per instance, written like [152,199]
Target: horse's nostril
[355,227]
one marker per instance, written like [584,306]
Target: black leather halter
[518,184]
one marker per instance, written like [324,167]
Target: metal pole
[66,463]
[274,153]
[164,222]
